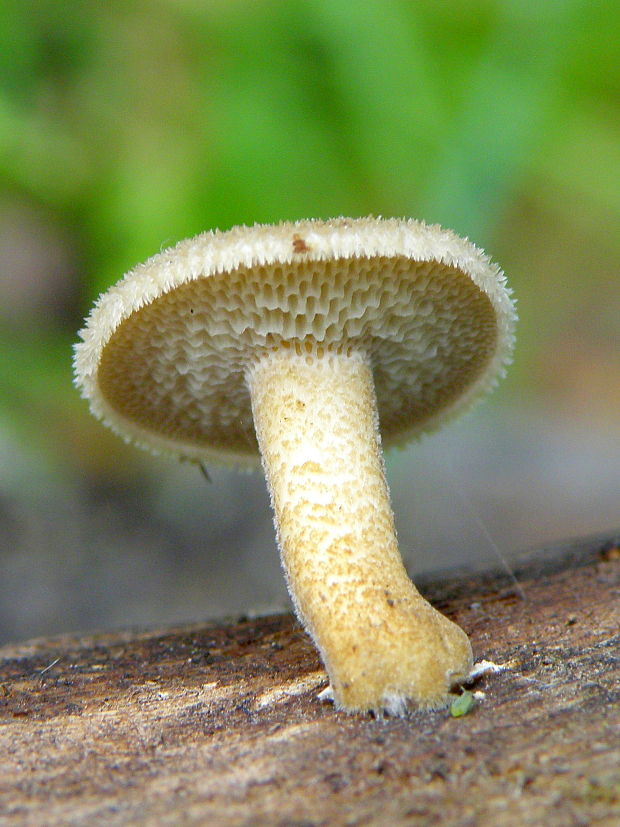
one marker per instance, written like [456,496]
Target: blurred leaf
[582,172]
[136,124]
[385,78]
[486,146]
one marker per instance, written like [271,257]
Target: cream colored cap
[164,353]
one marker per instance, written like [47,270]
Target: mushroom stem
[383,645]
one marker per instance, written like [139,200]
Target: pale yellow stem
[383,645]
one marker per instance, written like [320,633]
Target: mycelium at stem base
[384,647]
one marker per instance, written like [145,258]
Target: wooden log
[220,723]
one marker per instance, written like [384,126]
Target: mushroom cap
[165,352]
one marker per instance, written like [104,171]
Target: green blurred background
[127,125]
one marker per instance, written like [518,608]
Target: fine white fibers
[381,643]
[165,352]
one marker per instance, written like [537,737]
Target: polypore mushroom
[303,343]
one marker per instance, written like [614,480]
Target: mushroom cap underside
[165,352]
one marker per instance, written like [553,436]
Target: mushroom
[307,344]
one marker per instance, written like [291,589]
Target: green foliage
[130,125]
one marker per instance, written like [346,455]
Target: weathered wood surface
[220,724]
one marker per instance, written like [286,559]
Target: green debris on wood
[462,705]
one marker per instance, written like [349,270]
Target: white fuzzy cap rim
[216,252]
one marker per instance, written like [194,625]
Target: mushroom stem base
[384,647]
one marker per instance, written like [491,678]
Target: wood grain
[220,723]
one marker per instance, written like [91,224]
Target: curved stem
[316,422]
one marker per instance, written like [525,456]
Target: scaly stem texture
[383,645]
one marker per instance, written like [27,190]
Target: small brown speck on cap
[299,244]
